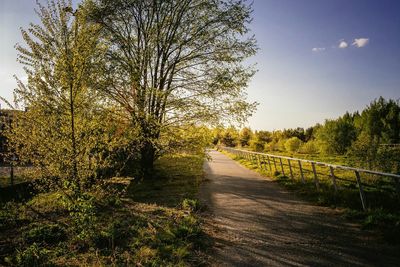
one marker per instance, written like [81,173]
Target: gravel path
[254,222]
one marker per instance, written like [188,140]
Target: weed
[33,256]
[47,233]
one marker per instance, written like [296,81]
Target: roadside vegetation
[368,140]
[134,223]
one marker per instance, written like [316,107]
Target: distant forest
[369,139]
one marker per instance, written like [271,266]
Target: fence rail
[11,175]
[266,161]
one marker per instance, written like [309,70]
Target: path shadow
[257,223]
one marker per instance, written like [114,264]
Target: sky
[317,58]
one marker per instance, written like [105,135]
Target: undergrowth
[141,224]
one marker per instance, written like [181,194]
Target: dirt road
[254,222]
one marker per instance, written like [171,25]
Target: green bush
[310,147]
[9,215]
[293,144]
[48,233]
[191,204]
[33,256]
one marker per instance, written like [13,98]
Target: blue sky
[294,85]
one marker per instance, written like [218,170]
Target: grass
[154,223]
[176,178]
[382,214]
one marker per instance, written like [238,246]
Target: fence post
[290,168]
[301,172]
[12,174]
[283,170]
[315,176]
[269,164]
[333,178]
[273,159]
[360,188]
[258,160]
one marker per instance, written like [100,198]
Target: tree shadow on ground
[254,222]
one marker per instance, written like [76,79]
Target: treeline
[369,138]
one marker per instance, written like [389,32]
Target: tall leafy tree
[381,120]
[175,61]
[61,132]
[245,136]
[336,136]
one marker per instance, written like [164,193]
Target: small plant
[191,204]
[82,212]
[32,256]
[8,215]
[48,233]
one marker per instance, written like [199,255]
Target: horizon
[317,60]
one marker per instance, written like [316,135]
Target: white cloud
[318,49]
[360,42]
[343,44]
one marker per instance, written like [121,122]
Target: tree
[260,138]
[297,132]
[293,144]
[381,120]
[230,137]
[176,61]
[245,136]
[378,125]
[62,132]
[336,136]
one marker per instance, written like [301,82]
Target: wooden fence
[337,174]
[11,175]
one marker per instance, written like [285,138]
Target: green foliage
[191,204]
[336,136]
[378,127]
[310,147]
[230,137]
[82,212]
[271,146]
[259,140]
[188,139]
[381,120]
[388,223]
[175,178]
[130,233]
[245,136]
[293,144]
[33,256]
[9,215]
[298,132]
[62,130]
[191,69]
[47,233]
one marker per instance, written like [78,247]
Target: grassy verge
[154,223]
[382,216]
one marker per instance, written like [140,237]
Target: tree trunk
[147,153]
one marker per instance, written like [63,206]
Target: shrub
[191,204]
[309,148]
[293,144]
[32,256]
[48,233]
